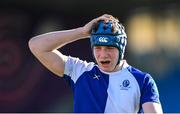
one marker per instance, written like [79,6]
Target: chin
[106,69]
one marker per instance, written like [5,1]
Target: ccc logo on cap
[103,39]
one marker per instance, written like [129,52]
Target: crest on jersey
[125,85]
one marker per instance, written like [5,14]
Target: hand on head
[106,18]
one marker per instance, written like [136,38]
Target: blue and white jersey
[96,91]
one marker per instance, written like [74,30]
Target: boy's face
[106,57]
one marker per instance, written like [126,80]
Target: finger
[107,15]
[106,19]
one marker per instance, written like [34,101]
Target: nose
[104,52]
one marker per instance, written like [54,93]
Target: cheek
[95,54]
[116,55]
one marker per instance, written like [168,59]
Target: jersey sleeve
[149,91]
[74,67]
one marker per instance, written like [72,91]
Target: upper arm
[52,60]
[150,96]
[149,91]
[152,107]
[55,62]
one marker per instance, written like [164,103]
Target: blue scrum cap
[109,34]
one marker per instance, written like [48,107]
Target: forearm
[53,40]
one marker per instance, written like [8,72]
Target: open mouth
[105,62]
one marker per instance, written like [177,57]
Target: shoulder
[74,61]
[75,67]
[138,74]
[143,78]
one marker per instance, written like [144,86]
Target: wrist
[84,32]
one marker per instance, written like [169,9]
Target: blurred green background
[152,26]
